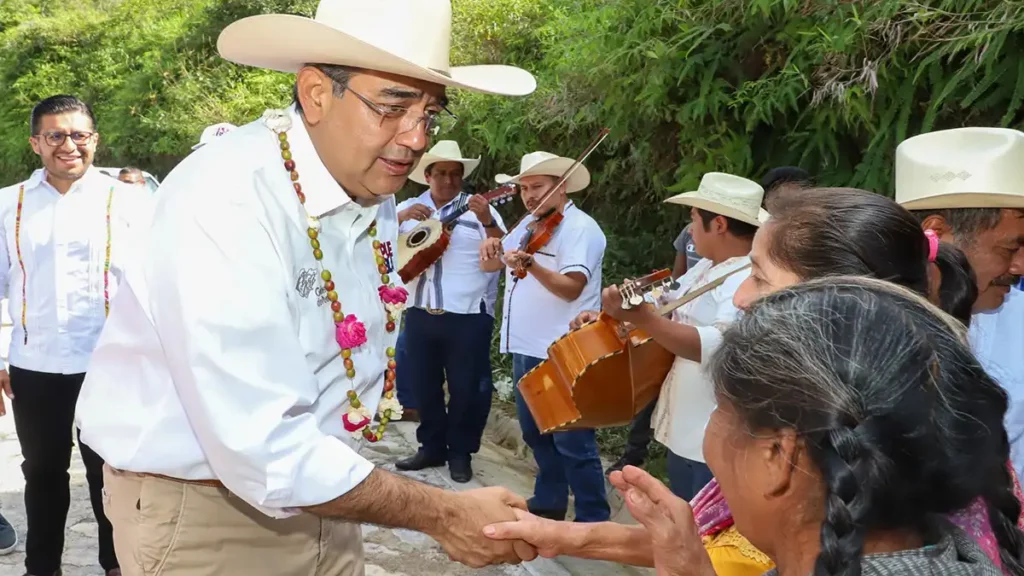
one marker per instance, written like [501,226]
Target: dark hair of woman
[958,288]
[900,420]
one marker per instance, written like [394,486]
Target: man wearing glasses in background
[65,239]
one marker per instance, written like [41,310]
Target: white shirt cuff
[710,340]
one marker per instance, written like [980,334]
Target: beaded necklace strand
[349,331]
[21,261]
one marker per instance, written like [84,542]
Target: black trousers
[640,435]
[44,416]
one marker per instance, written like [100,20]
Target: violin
[538,234]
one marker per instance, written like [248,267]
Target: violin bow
[565,176]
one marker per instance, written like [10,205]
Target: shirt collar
[426,198]
[38,178]
[322,191]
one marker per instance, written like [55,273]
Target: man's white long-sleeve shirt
[63,241]
[219,358]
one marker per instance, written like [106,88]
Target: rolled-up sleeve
[219,303]
[725,314]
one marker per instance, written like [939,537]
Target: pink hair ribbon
[933,244]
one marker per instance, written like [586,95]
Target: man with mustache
[253,344]
[967,184]
[67,235]
[562,279]
[447,332]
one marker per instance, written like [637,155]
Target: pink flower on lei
[393,298]
[355,420]
[350,332]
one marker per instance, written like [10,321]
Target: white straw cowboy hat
[961,168]
[212,132]
[410,38]
[547,164]
[443,151]
[727,195]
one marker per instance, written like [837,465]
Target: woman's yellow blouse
[733,555]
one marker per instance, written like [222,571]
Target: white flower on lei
[277,120]
[390,404]
[395,307]
[355,419]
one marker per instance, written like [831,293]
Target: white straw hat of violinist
[410,38]
[727,195]
[547,164]
[961,168]
[443,151]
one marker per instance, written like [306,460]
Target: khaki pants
[169,528]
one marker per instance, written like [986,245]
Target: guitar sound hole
[418,237]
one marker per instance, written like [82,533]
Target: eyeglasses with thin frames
[56,139]
[436,122]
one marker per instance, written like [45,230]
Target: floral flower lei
[349,331]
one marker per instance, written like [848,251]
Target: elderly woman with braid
[822,232]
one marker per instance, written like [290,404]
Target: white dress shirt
[532,317]
[219,359]
[687,398]
[63,242]
[455,283]
[998,341]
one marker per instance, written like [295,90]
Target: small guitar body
[596,376]
[421,247]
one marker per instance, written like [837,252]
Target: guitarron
[420,247]
[603,373]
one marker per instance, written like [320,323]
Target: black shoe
[8,537]
[460,470]
[626,460]
[557,515]
[420,461]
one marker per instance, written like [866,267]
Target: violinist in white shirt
[67,235]
[250,351]
[447,332]
[558,281]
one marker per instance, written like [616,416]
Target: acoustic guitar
[421,247]
[604,373]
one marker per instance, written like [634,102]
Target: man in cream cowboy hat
[726,213]
[244,363]
[562,279]
[967,184]
[446,335]
[211,133]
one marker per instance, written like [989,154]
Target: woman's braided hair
[899,418]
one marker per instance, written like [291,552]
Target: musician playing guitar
[447,329]
[726,212]
[544,290]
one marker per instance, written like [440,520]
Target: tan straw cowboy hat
[410,38]
[443,151]
[547,164]
[727,195]
[961,168]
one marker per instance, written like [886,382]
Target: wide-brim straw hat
[410,38]
[443,151]
[727,195]
[548,164]
[961,168]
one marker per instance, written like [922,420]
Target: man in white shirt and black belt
[561,279]
[249,350]
[67,232]
[726,212]
[447,328]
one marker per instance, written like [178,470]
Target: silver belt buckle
[435,311]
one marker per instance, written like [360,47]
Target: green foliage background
[686,87]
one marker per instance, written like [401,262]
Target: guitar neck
[693,294]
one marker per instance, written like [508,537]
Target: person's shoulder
[223,172]
[585,223]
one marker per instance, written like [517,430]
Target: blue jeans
[564,460]
[686,477]
[452,348]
